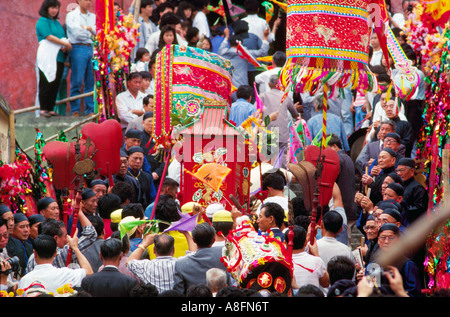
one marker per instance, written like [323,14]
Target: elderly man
[371,150]
[49,208]
[391,140]
[156,167]
[100,187]
[403,127]
[415,196]
[18,244]
[134,137]
[88,206]
[122,176]
[135,163]
[386,162]
[388,235]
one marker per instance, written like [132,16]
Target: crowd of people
[187,264]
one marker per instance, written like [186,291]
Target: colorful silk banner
[186,77]
[327,43]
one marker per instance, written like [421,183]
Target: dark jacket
[108,282]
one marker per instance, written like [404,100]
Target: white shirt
[304,263]
[257,26]
[376,57]
[74,20]
[263,79]
[201,23]
[125,103]
[52,277]
[282,201]
[329,247]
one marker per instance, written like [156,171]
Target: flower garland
[424,38]
[432,140]
[65,291]
[112,51]
[16,181]
[41,172]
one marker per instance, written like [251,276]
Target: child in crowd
[141,60]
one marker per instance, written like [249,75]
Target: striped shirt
[158,272]
[87,238]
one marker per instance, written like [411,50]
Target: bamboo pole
[12,137]
[59,102]
[67,130]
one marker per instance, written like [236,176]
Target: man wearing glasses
[388,235]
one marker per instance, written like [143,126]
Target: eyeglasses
[388,238]
[369,228]
[389,141]
[402,170]
[5,235]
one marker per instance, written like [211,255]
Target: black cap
[135,149]
[394,213]
[394,135]
[36,218]
[98,182]
[44,202]
[390,151]
[389,226]
[87,193]
[397,188]
[134,134]
[4,209]
[406,161]
[19,217]
[148,114]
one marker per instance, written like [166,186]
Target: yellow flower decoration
[68,288]
[20,292]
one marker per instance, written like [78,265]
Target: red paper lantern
[62,156]
[107,138]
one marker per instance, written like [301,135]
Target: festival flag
[269,10]
[126,227]
[439,11]
[219,9]
[234,9]
[211,174]
[295,144]
[259,104]
[243,53]
[282,5]
[186,223]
